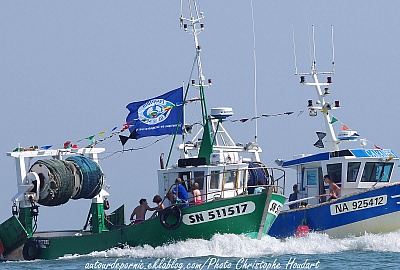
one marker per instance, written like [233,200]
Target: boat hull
[375,210]
[252,215]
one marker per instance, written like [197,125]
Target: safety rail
[271,181]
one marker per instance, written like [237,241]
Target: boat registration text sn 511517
[360,204]
[228,211]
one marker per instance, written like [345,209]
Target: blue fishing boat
[368,201]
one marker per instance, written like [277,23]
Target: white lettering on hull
[355,205]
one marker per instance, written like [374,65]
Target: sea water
[315,251]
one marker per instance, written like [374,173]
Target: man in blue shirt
[180,192]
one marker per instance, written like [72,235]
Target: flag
[334,120]
[377,147]
[124,139]
[157,116]
[67,144]
[344,127]
[90,138]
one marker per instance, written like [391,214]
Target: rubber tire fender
[31,250]
[171,210]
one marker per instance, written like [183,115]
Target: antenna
[332,143]
[313,39]
[333,52]
[294,52]
[255,72]
[309,45]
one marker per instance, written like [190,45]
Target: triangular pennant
[324,110]
[345,127]
[123,139]
[244,120]
[45,147]
[101,133]
[377,147]
[334,120]
[134,135]
[90,138]
[67,145]
[125,127]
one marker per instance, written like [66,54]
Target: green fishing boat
[238,194]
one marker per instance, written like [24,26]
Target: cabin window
[377,172]
[312,177]
[230,177]
[352,171]
[335,172]
[185,176]
[214,182]
[199,179]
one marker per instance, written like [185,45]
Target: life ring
[176,212]
[30,250]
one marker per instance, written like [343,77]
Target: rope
[91,176]
[135,149]
[61,182]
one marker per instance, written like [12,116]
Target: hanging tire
[176,214]
[30,250]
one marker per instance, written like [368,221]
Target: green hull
[239,215]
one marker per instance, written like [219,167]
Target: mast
[331,143]
[194,26]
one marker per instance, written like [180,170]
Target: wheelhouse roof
[356,153]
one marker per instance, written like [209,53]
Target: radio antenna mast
[333,52]
[294,52]
[255,72]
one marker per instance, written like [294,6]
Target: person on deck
[294,196]
[260,187]
[140,211]
[160,206]
[180,192]
[196,194]
[333,188]
[171,197]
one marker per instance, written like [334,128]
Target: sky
[69,68]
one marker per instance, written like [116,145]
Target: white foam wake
[239,246]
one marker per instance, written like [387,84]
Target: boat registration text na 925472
[228,211]
[360,204]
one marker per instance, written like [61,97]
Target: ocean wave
[239,246]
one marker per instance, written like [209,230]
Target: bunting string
[136,148]
[345,127]
[243,120]
[104,135]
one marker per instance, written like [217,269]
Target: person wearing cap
[293,197]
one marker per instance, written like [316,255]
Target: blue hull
[373,210]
